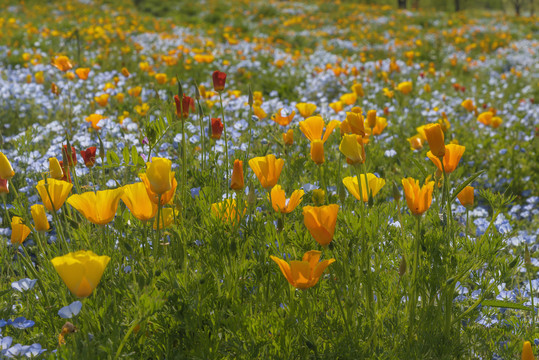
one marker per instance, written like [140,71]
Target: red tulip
[182,108]
[216,128]
[88,156]
[219,79]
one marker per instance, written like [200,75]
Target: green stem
[413,299]
[226,142]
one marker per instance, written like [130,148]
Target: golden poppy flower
[358,89]
[371,118]
[337,106]
[97,207]
[82,73]
[81,271]
[288,137]
[281,119]
[349,98]
[527,351]
[40,217]
[94,119]
[468,105]
[19,231]
[418,199]
[380,124]
[496,121]
[405,87]
[161,78]
[55,170]
[159,174]
[435,138]
[62,63]
[102,100]
[375,184]
[166,218]
[306,109]
[352,147]
[416,142]
[313,128]
[283,205]
[166,197]
[485,117]
[58,190]
[356,122]
[453,153]
[466,196]
[236,181]
[137,200]
[321,221]
[6,171]
[135,91]
[267,169]
[306,273]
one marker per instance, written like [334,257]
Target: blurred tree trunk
[532,10]
[415,4]
[517,4]
[457,5]
[402,4]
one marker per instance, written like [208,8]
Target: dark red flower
[65,156]
[219,79]
[184,106]
[216,128]
[88,156]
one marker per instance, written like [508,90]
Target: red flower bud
[67,175]
[183,107]
[216,128]
[66,156]
[219,79]
[88,156]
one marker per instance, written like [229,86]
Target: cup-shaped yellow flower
[527,351]
[453,153]
[418,199]
[81,271]
[55,170]
[466,196]
[306,109]
[19,231]
[166,218]
[306,273]
[283,205]
[485,117]
[58,191]
[62,63]
[352,147]
[321,221]
[371,118]
[468,105]
[313,128]
[380,124]
[97,207]
[6,171]
[40,217]
[166,197]
[137,200]
[375,184]
[356,122]
[267,169]
[405,87]
[435,138]
[158,173]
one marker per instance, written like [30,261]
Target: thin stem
[413,300]
[226,142]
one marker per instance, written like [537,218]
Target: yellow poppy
[166,218]
[418,199]
[137,200]
[281,204]
[81,271]
[40,217]
[267,169]
[19,231]
[435,138]
[466,196]
[97,207]
[453,153]
[58,191]
[352,147]
[306,109]
[306,273]
[321,222]
[6,171]
[375,184]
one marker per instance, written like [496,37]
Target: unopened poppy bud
[319,196]
[216,128]
[6,171]
[435,138]
[236,181]
[251,197]
[288,137]
[402,267]
[396,192]
[55,170]
[466,196]
[250,96]
[69,158]
[371,118]
[527,258]
[219,79]
[180,89]
[527,351]
[197,92]
[40,217]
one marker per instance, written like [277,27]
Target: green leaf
[112,158]
[420,167]
[134,155]
[465,183]
[125,153]
[505,304]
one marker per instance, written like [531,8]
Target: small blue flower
[21,323]
[23,284]
[73,309]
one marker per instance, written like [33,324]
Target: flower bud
[55,170]
[317,151]
[40,217]
[371,118]
[319,196]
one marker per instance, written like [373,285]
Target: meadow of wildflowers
[267,180]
